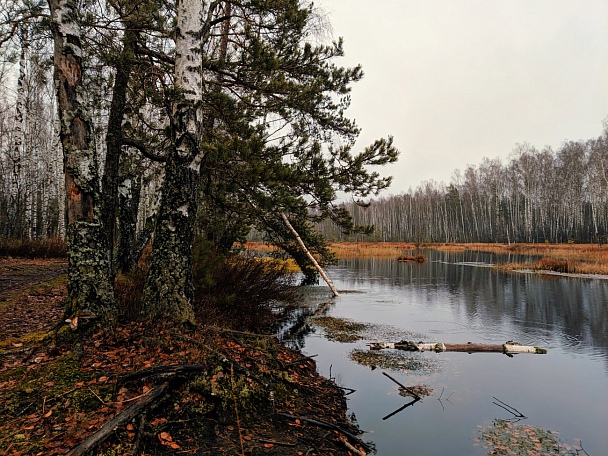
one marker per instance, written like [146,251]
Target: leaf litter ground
[223,392]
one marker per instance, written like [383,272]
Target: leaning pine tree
[255,106]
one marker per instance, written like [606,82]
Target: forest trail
[31,295]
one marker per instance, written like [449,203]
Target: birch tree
[89,281]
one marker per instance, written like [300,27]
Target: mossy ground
[340,329]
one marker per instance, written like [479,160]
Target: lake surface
[455,297]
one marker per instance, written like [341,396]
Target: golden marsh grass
[578,258]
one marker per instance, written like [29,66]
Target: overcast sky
[458,80]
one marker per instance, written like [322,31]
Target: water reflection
[539,309]
[453,298]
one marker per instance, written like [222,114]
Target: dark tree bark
[89,284]
[114,140]
[129,193]
[168,290]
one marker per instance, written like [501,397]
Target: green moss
[396,361]
[506,438]
[341,329]
[50,381]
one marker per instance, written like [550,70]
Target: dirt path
[31,295]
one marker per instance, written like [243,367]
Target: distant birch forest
[547,195]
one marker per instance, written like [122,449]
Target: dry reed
[371,249]
[578,258]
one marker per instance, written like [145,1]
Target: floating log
[508,348]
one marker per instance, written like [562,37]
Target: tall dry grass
[572,258]
[371,249]
[33,248]
[575,258]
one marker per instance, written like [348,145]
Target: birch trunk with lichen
[168,290]
[89,283]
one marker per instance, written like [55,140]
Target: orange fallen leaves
[166,439]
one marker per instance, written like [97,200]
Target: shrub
[551,264]
[241,293]
[33,248]
[128,289]
[418,258]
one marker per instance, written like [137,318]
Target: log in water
[507,348]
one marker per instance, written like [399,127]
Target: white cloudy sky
[458,80]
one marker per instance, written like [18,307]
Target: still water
[455,297]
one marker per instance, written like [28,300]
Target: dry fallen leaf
[165,436]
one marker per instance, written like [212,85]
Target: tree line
[546,195]
[160,121]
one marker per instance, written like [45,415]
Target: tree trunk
[116,116]
[168,290]
[129,193]
[89,284]
[310,256]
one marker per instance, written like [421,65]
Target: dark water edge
[454,298]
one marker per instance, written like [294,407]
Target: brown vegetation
[571,258]
[418,258]
[33,248]
[371,249]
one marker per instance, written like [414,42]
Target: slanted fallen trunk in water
[508,348]
[309,255]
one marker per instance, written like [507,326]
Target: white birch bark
[310,256]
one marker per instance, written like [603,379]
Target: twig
[439,398]
[409,404]
[236,410]
[223,357]
[347,391]
[95,394]
[355,450]
[508,408]
[163,371]
[326,425]
[409,390]
[299,360]
[274,442]
[140,432]
[243,333]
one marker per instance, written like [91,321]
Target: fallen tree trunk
[126,415]
[506,348]
[309,255]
